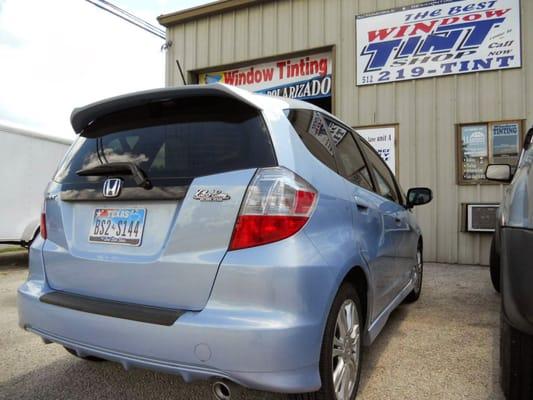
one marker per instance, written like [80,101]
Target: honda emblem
[112,187]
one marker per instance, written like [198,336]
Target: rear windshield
[180,139]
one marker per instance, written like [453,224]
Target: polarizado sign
[437,38]
[306,77]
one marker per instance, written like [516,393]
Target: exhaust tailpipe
[221,391]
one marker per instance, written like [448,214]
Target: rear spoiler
[82,117]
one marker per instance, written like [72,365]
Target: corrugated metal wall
[426,110]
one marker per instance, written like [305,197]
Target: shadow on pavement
[14,260]
[71,378]
[372,354]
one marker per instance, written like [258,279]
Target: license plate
[118,226]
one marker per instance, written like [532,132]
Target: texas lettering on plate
[118,226]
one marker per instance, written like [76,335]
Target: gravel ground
[443,347]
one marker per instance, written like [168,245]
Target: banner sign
[437,38]
[306,77]
[383,140]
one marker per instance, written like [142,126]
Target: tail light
[44,234]
[277,204]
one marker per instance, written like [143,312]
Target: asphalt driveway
[443,347]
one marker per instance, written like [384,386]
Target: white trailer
[28,161]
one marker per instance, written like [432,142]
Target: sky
[61,54]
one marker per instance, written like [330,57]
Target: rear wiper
[121,168]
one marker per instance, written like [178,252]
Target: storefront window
[486,143]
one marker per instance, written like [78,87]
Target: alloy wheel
[346,348]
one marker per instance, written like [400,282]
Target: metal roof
[216,7]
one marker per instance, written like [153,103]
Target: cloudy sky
[57,55]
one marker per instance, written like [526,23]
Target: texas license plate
[118,226]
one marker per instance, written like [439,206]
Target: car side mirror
[418,196]
[499,173]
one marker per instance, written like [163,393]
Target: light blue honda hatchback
[219,234]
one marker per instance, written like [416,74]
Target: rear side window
[175,140]
[528,157]
[386,185]
[352,165]
[313,131]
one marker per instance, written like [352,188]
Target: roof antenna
[181,72]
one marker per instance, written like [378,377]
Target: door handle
[398,221]
[361,204]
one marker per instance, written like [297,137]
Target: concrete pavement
[443,347]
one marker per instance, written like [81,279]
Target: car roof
[84,116]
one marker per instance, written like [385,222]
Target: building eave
[216,7]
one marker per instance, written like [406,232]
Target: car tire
[346,303]
[415,293]
[87,358]
[494,266]
[516,359]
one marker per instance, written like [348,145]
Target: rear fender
[359,262]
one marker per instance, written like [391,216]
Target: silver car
[512,272]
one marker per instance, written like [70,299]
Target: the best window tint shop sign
[438,38]
[306,77]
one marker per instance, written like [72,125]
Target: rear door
[396,228]
[160,246]
[377,243]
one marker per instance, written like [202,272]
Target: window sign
[505,142]
[474,140]
[438,38]
[337,132]
[383,140]
[487,143]
[317,128]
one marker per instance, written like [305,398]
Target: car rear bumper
[517,277]
[190,347]
[261,328]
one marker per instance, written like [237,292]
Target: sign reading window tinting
[306,77]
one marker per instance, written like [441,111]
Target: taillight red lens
[44,234]
[277,204]
[254,230]
[304,202]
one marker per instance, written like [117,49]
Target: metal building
[446,83]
